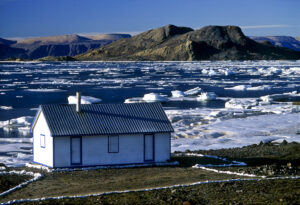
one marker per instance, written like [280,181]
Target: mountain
[7,52]
[282,41]
[172,43]
[6,42]
[65,45]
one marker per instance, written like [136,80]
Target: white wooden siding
[162,147]
[62,156]
[95,150]
[42,155]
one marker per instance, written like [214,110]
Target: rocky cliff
[172,43]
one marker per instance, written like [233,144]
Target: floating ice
[228,72]
[280,97]
[45,90]
[84,100]
[17,122]
[263,87]
[239,87]
[134,100]
[235,132]
[177,94]
[154,97]
[209,72]
[241,103]
[207,96]
[6,107]
[274,70]
[193,91]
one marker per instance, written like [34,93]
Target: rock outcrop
[172,43]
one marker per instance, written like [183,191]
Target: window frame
[118,144]
[42,141]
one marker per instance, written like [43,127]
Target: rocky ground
[240,192]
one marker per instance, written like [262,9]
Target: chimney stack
[78,108]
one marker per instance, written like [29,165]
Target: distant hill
[65,45]
[6,42]
[172,43]
[282,41]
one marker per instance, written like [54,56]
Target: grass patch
[264,153]
[95,181]
[188,161]
[296,103]
[9,181]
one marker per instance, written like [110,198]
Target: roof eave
[105,134]
[37,115]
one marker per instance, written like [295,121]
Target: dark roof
[101,119]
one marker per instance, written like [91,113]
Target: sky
[34,18]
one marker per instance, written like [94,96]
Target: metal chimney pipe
[78,108]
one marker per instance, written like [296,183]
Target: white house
[101,134]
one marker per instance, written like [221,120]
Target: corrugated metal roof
[101,119]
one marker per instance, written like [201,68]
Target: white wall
[62,150]
[42,155]
[95,150]
[162,147]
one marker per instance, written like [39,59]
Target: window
[43,141]
[113,144]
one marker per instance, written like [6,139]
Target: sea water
[254,99]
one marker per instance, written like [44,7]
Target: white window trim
[42,141]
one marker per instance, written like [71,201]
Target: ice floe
[84,100]
[239,87]
[177,94]
[45,90]
[154,97]
[6,107]
[241,103]
[193,91]
[17,122]
[206,96]
[281,97]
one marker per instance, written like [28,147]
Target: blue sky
[31,18]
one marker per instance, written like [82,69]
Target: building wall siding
[95,150]
[62,155]
[162,147]
[42,155]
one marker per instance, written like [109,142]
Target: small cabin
[101,134]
